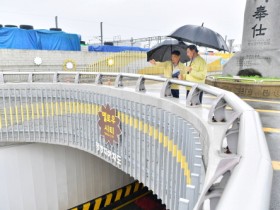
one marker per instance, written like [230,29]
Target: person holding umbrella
[172,69]
[196,70]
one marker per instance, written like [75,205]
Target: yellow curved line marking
[271,130]
[276,165]
[268,111]
[249,99]
[261,101]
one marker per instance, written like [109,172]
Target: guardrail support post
[119,81]
[140,85]
[55,77]
[232,136]
[166,89]
[77,78]
[30,77]
[98,79]
[193,97]
[2,78]
[217,112]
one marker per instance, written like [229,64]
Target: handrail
[236,79]
[234,127]
[207,89]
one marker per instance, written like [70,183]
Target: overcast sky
[126,18]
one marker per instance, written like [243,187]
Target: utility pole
[101,32]
[230,43]
[56,22]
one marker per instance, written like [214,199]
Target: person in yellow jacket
[196,70]
[172,69]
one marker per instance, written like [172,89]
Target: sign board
[109,124]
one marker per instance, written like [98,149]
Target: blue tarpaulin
[108,48]
[16,38]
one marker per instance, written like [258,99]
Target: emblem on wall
[109,124]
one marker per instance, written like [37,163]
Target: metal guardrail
[164,143]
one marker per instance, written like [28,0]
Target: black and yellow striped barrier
[109,198]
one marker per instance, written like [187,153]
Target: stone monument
[261,40]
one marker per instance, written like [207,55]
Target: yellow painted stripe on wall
[174,152]
[179,156]
[131,122]
[47,108]
[56,109]
[140,126]
[1,121]
[66,107]
[17,119]
[156,134]
[160,139]
[5,117]
[37,110]
[22,114]
[170,146]
[11,116]
[52,109]
[61,108]
[43,110]
[27,112]
[136,123]
[89,109]
[165,141]
[126,119]
[122,117]
[70,105]
[146,127]
[151,130]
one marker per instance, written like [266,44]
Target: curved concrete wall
[43,176]
[162,138]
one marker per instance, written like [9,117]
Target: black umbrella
[162,51]
[201,36]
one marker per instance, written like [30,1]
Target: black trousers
[200,95]
[175,93]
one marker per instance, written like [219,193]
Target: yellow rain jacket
[199,71]
[167,68]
